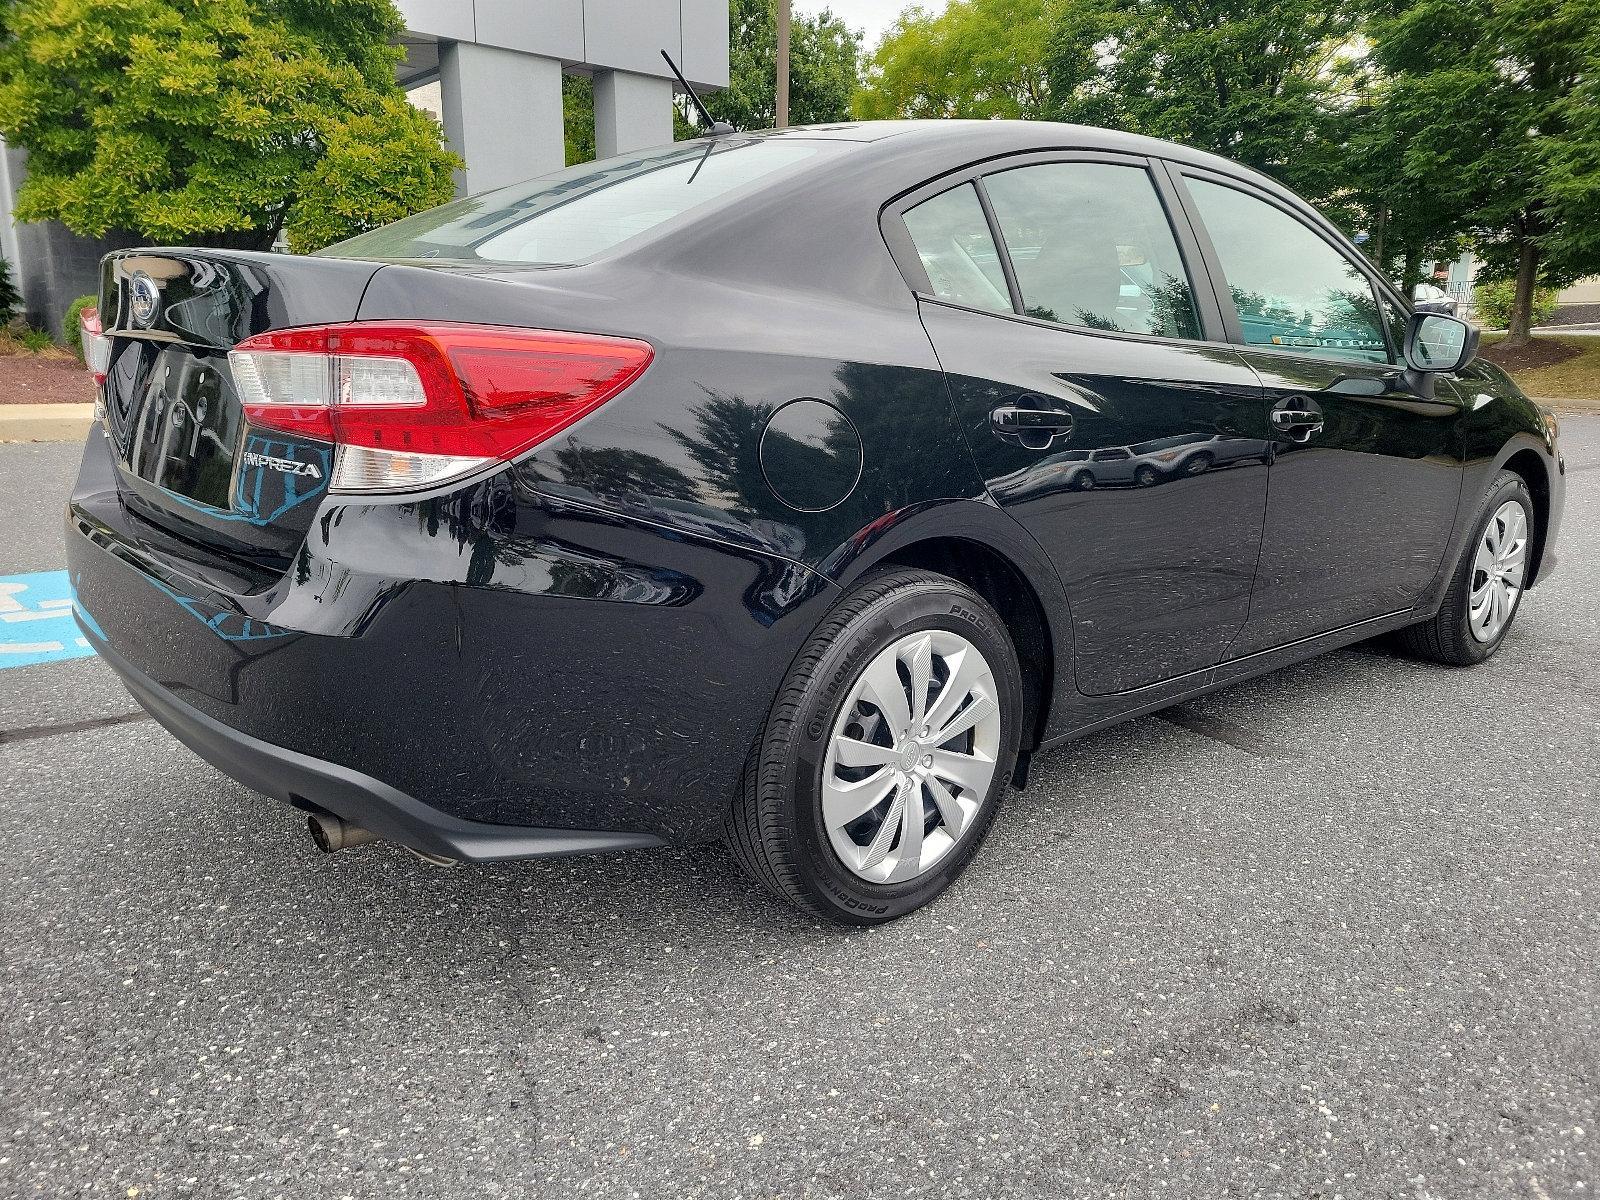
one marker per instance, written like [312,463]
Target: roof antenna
[717,128]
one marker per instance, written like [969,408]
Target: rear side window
[1293,290]
[584,211]
[957,251]
[1091,246]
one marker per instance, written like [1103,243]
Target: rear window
[584,211]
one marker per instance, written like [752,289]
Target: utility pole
[783,64]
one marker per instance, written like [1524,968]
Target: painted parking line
[36,624]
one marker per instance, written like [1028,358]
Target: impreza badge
[288,466]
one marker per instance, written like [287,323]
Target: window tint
[953,240]
[1091,246]
[583,211]
[1292,289]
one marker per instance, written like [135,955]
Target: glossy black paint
[591,638]
[171,409]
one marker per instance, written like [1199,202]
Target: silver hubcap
[1497,572]
[911,757]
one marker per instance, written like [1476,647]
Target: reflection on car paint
[1142,465]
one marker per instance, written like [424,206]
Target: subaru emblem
[143,299]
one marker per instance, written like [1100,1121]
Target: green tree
[823,54]
[1496,101]
[577,116]
[1256,81]
[215,121]
[978,58]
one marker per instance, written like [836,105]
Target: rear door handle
[1031,428]
[1297,418]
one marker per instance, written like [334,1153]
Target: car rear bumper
[504,670]
[307,782]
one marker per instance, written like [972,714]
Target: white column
[502,113]
[631,112]
[9,248]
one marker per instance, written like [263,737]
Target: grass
[1564,369]
[32,342]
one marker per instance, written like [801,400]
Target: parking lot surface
[1331,933]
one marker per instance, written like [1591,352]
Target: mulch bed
[40,379]
[1576,314]
[1541,352]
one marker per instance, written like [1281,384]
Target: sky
[874,16]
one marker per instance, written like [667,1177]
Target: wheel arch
[975,543]
[1527,463]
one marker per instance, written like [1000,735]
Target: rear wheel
[1487,587]
[886,753]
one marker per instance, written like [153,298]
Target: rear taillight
[413,405]
[96,345]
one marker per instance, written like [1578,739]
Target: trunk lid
[187,459]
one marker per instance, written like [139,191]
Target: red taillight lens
[412,405]
[96,345]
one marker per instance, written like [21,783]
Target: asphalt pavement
[1331,933]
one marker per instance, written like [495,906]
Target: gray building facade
[498,65]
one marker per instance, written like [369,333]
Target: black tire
[1198,465]
[775,827]
[1447,637]
[1147,477]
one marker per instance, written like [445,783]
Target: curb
[45,422]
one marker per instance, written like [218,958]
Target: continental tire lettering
[842,676]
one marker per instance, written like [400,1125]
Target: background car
[1428,297]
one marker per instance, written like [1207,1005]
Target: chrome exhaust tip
[332,833]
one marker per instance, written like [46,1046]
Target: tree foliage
[1427,124]
[577,118]
[1253,80]
[1256,81]
[823,54]
[979,58]
[1494,100]
[217,121]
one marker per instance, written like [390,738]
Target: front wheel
[886,753]
[1487,587]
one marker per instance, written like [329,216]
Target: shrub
[10,298]
[70,332]
[1492,303]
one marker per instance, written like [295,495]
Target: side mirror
[1439,343]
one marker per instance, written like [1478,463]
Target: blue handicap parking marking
[36,622]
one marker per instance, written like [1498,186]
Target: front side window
[1091,246]
[1293,290]
[957,251]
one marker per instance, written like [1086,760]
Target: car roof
[986,137]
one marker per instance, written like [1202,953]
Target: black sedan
[718,491]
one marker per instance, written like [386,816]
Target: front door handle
[1297,418]
[1031,428]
